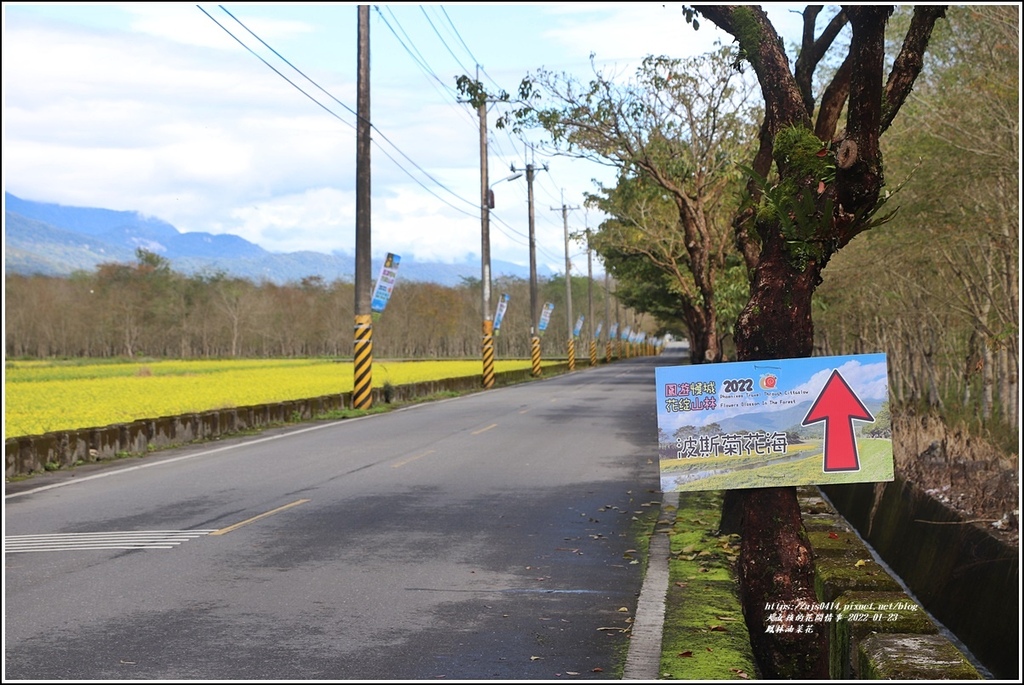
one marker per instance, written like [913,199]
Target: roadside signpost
[814,420]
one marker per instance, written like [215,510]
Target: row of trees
[706,192]
[147,309]
[781,191]
[938,286]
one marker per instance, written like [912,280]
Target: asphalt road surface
[485,537]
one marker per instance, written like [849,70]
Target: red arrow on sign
[839,403]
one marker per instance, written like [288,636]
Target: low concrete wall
[876,631]
[30,454]
[967,577]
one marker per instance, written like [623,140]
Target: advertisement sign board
[385,283]
[500,314]
[545,316]
[814,420]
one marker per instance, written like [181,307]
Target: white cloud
[152,107]
[868,381]
[183,23]
[625,33]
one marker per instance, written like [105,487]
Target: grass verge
[705,636]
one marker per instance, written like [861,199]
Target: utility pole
[485,243]
[534,313]
[590,302]
[485,250]
[362,352]
[607,314]
[618,324]
[571,345]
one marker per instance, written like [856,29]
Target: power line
[320,104]
[444,43]
[445,90]
[329,111]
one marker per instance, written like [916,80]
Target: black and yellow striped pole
[488,379]
[362,351]
[362,385]
[593,353]
[608,351]
[572,354]
[535,354]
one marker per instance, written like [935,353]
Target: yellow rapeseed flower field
[42,397]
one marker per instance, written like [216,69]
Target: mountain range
[57,240]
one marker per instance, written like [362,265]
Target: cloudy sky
[239,118]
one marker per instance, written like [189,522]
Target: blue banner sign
[385,283]
[500,314]
[545,316]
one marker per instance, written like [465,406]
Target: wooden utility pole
[607,314]
[534,312]
[590,302]
[485,253]
[362,351]
[571,345]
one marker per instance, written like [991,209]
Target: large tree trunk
[824,214]
[776,562]
[775,565]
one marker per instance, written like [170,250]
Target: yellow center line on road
[411,459]
[484,430]
[265,514]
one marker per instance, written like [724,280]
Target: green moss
[797,151]
[835,575]
[835,542]
[912,657]
[748,33]
[877,612]
[705,636]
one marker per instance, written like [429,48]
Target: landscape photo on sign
[771,423]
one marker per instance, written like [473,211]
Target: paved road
[484,537]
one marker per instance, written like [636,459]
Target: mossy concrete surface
[862,614]
[835,575]
[912,657]
[705,636]
[968,579]
[875,630]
